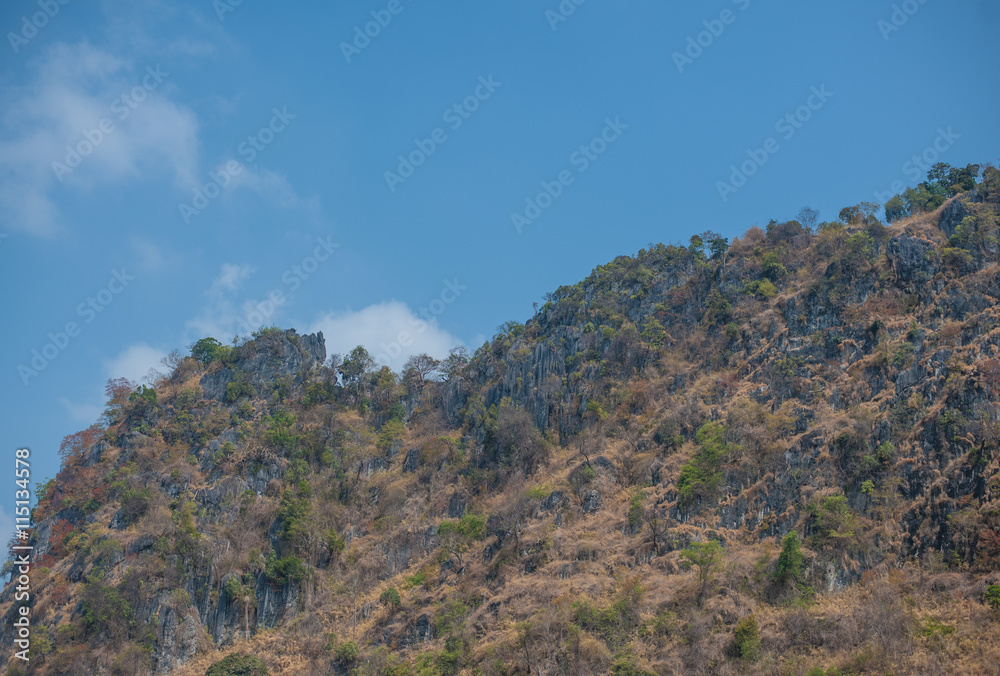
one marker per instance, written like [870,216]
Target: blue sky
[116,116]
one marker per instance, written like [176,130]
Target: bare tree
[807,217]
[657,526]
[420,367]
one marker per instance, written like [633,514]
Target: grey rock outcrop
[266,359]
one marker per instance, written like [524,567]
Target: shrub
[764,288]
[144,393]
[319,393]
[233,588]
[771,266]
[635,511]
[992,596]
[347,652]
[538,492]
[616,623]
[747,637]
[700,477]
[134,502]
[833,520]
[334,542]
[514,441]
[392,432]
[238,664]
[279,431]
[284,570]
[790,559]
[180,599]
[106,612]
[903,355]
[885,452]
[416,580]
[238,389]
[390,597]
[625,666]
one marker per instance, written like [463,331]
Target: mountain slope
[774,456]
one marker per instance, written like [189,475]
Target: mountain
[777,455]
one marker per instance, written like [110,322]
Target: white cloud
[72,89]
[272,189]
[151,257]
[223,317]
[390,331]
[134,362]
[268,185]
[82,413]
[231,277]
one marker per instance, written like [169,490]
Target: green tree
[895,209]
[833,520]
[790,560]
[747,637]
[244,596]
[238,664]
[355,367]
[206,350]
[706,556]
[459,534]
[771,266]
[924,198]
[697,247]
[390,598]
[992,597]
[347,652]
[850,215]
[701,476]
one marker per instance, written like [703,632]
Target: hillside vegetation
[777,455]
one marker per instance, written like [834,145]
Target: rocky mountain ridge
[602,489]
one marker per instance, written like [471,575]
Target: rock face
[914,260]
[591,501]
[279,355]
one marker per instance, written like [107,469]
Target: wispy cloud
[390,331]
[223,312]
[82,107]
[136,362]
[82,412]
